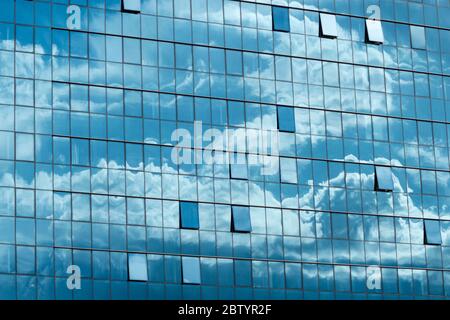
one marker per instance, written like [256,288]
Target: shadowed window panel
[432,232]
[383,179]
[286,120]
[132,5]
[137,267]
[241,219]
[288,168]
[280,17]
[374,31]
[191,270]
[418,37]
[328,25]
[189,215]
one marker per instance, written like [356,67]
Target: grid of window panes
[363,123]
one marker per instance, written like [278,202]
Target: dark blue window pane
[280,18]
[286,120]
[189,215]
[432,232]
[241,219]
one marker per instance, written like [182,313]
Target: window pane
[418,37]
[328,25]
[238,166]
[132,5]
[288,168]
[191,270]
[137,267]
[432,232]
[286,119]
[383,181]
[280,18]
[189,215]
[374,31]
[241,219]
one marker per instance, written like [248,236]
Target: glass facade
[350,200]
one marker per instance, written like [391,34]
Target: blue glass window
[132,5]
[432,232]
[418,37]
[137,267]
[328,25]
[286,119]
[344,163]
[288,168]
[191,270]
[280,18]
[238,166]
[374,31]
[7,146]
[241,219]
[383,179]
[189,215]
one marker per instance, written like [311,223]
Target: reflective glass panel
[280,18]
[191,270]
[241,219]
[432,232]
[189,215]
[328,25]
[286,119]
[383,179]
[418,37]
[132,5]
[137,267]
[374,31]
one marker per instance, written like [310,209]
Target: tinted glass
[191,270]
[432,232]
[418,37]
[280,18]
[132,5]
[241,219]
[384,179]
[189,215]
[137,267]
[286,120]
[328,25]
[276,142]
[374,31]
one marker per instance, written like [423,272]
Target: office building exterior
[220,149]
